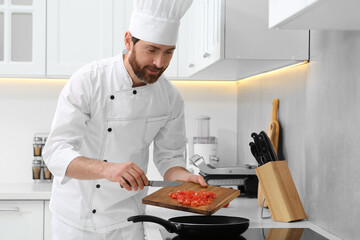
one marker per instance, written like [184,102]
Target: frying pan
[198,225]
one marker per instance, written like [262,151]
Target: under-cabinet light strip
[62,80]
[274,71]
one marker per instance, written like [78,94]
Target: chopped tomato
[226,205]
[195,199]
[186,202]
[194,203]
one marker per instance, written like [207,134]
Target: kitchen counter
[25,191]
[239,207]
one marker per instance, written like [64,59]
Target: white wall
[27,107]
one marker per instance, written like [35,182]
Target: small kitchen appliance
[241,177]
[203,144]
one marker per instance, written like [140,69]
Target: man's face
[150,60]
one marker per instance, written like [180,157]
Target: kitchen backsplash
[319,120]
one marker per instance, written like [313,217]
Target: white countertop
[25,191]
[240,207]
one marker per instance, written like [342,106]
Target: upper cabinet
[201,36]
[218,39]
[78,32]
[315,14]
[230,40]
[22,37]
[82,31]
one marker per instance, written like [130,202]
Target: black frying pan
[199,225]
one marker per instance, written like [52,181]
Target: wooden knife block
[280,192]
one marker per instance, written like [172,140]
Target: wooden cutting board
[161,198]
[273,133]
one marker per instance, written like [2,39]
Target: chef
[108,114]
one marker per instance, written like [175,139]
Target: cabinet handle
[10,209]
[206,55]
[191,65]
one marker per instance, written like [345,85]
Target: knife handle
[264,150]
[270,146]
[255,153]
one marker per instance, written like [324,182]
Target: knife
[271,149]
[255,153]
[264,149]
[161,184]
[164,183]
[256,138]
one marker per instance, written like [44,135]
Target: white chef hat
[158,21]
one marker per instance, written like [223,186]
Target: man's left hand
[181,174]
[197,179]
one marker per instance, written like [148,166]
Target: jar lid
[37,139]
[36,161]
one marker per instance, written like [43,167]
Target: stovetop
[259,234]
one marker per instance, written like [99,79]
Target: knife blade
[164,183]
[160,184]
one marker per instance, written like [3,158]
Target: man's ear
[128,41]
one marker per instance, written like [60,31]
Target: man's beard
[141,72]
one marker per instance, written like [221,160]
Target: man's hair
[135,40]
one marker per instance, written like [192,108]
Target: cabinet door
[22,37]
[47,221]
[249,37]
[314,14]
[78,32]
[201,36]
[21,220]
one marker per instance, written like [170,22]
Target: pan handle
[170,227]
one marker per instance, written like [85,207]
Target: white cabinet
[218,39]
[78,32]
[47,221]
[201,36]
[22,37]
[314,14]
[82,31]
[21,220]
[236,42]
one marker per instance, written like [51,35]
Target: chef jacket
[101,116]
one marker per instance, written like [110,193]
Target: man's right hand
[128,174]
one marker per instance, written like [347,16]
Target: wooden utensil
[273,133]
[161,198]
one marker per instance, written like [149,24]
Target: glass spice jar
[36,168]
[46,173]
[37,146]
